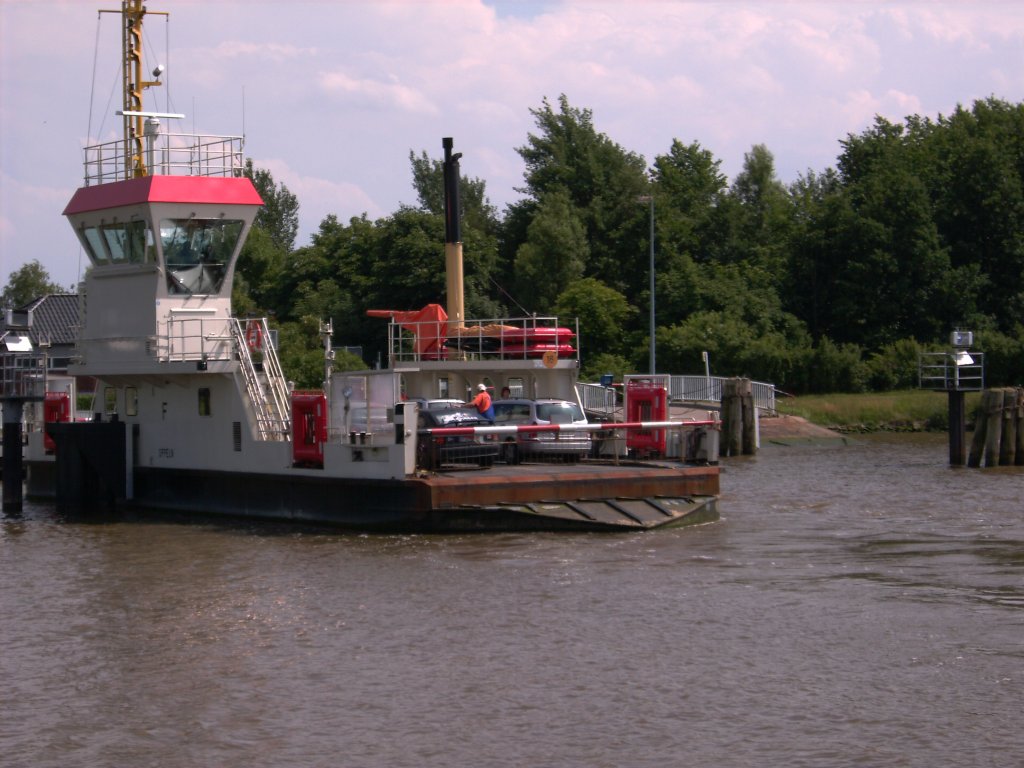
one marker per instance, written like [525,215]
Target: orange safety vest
[482,401]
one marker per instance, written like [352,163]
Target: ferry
[195,414]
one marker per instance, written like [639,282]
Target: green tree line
[833,282]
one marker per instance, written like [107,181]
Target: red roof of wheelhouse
[165,189]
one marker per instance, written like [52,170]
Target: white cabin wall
[118,318]
[173,433]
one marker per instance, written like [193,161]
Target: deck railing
[171,154]
[507,338]
[682,390]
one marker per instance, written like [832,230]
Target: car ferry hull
[92,475]
[194,412]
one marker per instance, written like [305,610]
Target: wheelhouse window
[127,242]
[197,253]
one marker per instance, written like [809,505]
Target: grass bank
[913,410]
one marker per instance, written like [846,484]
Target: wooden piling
[977,441]
[992,404]
[999,429]
[957,427]
[732,418]
[1008,445]
[739,430]
[749,419]
[1018,414]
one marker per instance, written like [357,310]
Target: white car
[570,446]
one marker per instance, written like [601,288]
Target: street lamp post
[650,200]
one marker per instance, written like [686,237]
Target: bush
[772,358]
[895,366]
[835,368]
[1004,357]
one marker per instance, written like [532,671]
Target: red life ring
[254,334]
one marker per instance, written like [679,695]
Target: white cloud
[275,52]
[376,93]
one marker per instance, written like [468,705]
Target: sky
[332,95]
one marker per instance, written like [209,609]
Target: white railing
[682,390]
[951,372]
[180,154]
[22,374]
[195,338]
[695,389]
[599,399]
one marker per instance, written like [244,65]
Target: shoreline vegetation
[913,410]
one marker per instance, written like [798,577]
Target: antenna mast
[132,12]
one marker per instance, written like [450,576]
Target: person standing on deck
[483,403]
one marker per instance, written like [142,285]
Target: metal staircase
[264,384]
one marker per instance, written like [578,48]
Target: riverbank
[786,429]
[900,411]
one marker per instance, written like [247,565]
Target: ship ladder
[267,389]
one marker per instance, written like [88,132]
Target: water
[856,606]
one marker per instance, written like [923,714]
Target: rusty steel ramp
[585,497]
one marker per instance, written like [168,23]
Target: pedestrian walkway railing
[682,390]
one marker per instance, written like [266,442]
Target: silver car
[570,446]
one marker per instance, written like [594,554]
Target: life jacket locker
[309,428]
[646,401]
[56,408]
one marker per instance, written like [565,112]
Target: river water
[857,605]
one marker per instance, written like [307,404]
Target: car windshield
[512,411]
[559,413]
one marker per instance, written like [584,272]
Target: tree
[279,216]
[689,189]
[975,173]
[428,181]
[603,313]
[554,254]
[818,210]
[261,267]
[761,211]
[27,283]
[480,229]
[601,180]
[258,274]
[689,184]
